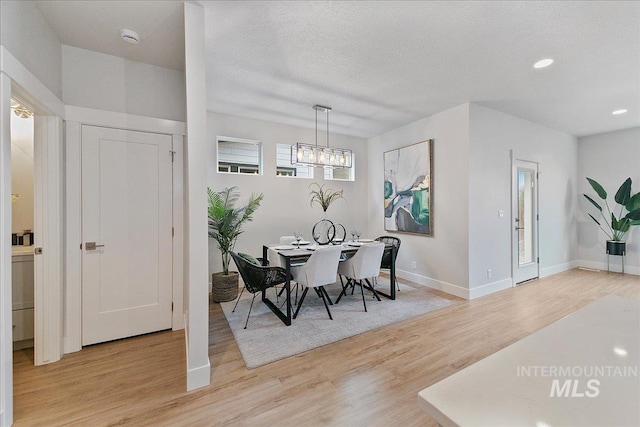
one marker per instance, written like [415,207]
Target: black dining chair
[257,278]
[386,257]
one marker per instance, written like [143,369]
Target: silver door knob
[92,246]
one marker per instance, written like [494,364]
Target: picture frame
[408,189]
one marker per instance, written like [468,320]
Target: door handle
[519,228]
[91,246]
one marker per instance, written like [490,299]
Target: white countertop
[600,342]
[21,250]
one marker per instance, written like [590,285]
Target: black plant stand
[617,249]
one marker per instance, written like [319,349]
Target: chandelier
[314,155]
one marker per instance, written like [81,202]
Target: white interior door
[126,233]
[525,221]
[48,263]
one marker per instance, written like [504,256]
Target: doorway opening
[23,227]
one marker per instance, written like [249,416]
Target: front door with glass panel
[525,221]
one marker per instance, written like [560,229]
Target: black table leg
[392,273]
[286,318]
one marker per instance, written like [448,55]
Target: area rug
[267,339]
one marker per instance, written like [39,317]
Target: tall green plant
[323,197]
[629,204]
[226,221]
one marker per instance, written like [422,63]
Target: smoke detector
[130,36]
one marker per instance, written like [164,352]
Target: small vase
[615,247]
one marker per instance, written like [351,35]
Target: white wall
[196,285]
[285,207]
[105,82]
[442,261]
[6,332]
[492,136]
[22,173]
[26,34]
[609,158]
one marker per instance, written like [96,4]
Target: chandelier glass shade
[303,154]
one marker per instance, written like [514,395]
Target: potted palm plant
[225,225]
[616,227]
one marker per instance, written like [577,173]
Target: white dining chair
[320,269]
[363,265]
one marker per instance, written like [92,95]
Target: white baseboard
[615,268]
[449,288]
[549,271]
[199,376]
[456,290]
[489,288]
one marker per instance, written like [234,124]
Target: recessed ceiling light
[130,36]
[617,112]
[543,63]
[620,351]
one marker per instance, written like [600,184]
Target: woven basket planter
[224,288]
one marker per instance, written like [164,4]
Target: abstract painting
[408,189]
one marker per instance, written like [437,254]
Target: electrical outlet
[489,274]
[414,265]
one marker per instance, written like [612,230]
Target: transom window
[342,174]
[240,156]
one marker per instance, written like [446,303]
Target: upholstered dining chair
[365,264]
[386,258]
[320,269]
[256,278]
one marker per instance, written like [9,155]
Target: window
[239,156]
[342,174]
[284,166]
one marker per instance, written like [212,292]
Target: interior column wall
[6,333]
[197,302]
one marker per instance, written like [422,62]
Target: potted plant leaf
[324,197]
[616,227]
[225,225]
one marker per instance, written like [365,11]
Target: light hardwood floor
[368,380]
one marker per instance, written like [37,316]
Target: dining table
[298,254]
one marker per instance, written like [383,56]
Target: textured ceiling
[381,64]
[95,25]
